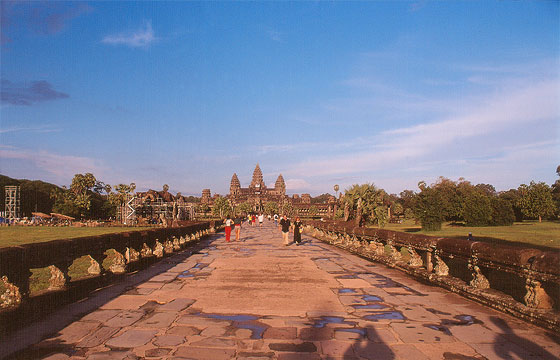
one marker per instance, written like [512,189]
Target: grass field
[18,235]
[545,234]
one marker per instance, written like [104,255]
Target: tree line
[448,200]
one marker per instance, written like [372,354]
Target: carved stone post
[428,261]
[176,245]
[11,296]
[131,255]
[479,281]
[415,259]
[441,267]
[158,249]
[94,267]
[57,280]
[536,296]
[146,251]
[118,266]
[395,254]
[167,247]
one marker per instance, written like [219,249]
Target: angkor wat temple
[258,194]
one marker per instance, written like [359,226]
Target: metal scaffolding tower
[13,205]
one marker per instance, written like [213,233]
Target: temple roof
[235,181]
[280,182]
[257,177]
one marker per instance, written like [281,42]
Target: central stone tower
[257,182]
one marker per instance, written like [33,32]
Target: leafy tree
[222,207]
[536,200]
[244,208]
[408,199]
[502,212]
[408,214]
[363,199]
[64,202]
[270,208]
[397,209]
[288,210]
[476,208]
[321,199]
[556,192]
[381,215]
[513,197]
[428,208]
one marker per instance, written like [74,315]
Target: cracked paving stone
[132,338]
[98,337]
[125,318]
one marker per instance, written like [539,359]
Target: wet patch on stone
[462,320]
[347,291]
[385,315]
[437,312]
[248,322]
[369,306]
[303,347]
[371,298]
[443,329]
[320,323]
[348,276]
[361,332]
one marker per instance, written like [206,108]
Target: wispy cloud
[275,35]
[140,38]
[38,129]
[28,94]
[61,167]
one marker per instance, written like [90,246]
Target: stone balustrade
[109,256]
[519,280]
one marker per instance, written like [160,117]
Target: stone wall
[521,281]
[132,250]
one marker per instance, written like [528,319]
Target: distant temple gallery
[258,195]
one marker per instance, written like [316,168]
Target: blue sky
[187,93]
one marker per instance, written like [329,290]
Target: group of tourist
[284,225]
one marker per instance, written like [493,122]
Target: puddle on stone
[232,317]
[371,298]
[185,275]
[369,306]
[257,330]
[462,320]
[385,315]
[439,328]
[437,312]
[347,291]
[331,320]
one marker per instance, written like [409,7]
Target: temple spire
[257,178]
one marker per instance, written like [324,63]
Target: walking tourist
[261,219]
[228,221]
[237,223]
[297,231]
[275,219]
[285,226]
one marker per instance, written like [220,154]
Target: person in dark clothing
[237,223]
[297,231]
[285,226]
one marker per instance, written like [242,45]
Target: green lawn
[545,234]
[18,235]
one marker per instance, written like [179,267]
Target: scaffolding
[12,204]
[139,209]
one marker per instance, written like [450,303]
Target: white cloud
[62,167]
[297,184]
[140,38]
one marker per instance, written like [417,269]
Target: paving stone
[177,305]
[213,331]
[56,357]
[381,335]
[215,343]
[126,302]
[337,348]
[183,331]
[354,283]
[305,347]
[298,356]
[100,315]
[286,333]
[316,333]
[204,353]
[76,331]
[98,337]
[474,334]
[407,351]
[243,333]
[262,355]
[172,286]
[377,351]
[157,353]
[449,351]
[201,322]
[113,355]
[506,350]
[350,334]
[125,318]
[157,320]
[415,333]
[169,340]
[132,338]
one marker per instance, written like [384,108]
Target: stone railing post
[536,297]
[479,281]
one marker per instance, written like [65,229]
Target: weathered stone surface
[100,315]
[286,333]
[415,333]
[125,318]
[157,320]
[126,302]
[157,353]
[169,340]
[177,305]
[132,338]
[183,330]
[98,337]
[204,353]
[76,331]
[294,347]
[314,334]
[215,343]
